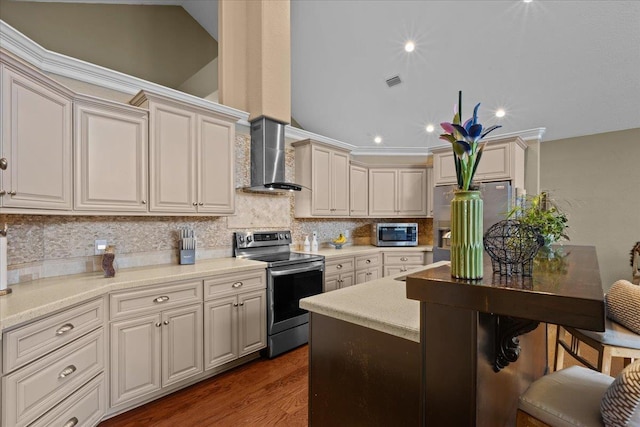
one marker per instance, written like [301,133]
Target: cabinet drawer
[367,261]
[85,407]
[29,342]
[339,265]
[404,258]
[34,389]
[229,284]
[147,300]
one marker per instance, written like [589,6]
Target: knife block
[187,256]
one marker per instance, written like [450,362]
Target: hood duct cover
[267,157]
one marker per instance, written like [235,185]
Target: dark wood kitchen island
[377,358]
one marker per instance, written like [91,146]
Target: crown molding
[26,49]
[527,136]
[390,151]
[300,134]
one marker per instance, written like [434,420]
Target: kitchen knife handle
[64,329]
[67,371]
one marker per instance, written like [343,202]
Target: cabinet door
[347,279]
[135,358]
[181,343]
[340,183]
[253,321]
[375,273]
[359,191]
[172,173]
[321,181]
[430,192]
[412,192]
[110,158]
[216,159]
[382,192]
[444,168]
[220,331]
[496,162]
[361,276]
[390,270]
[36,141]
[331,282]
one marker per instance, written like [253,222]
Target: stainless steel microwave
[395,234]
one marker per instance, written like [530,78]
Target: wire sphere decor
[512,245]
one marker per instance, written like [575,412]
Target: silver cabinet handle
[235,304]
[338,267]
[200,203]
[67,371]
[12,193]
[2,192]
[403,258]
[64,329]
[195,203]
[4,163]
[241,304]
[237,285]
[166,322]
[158,324]
[71,423]
[144,202]
[160,299]
[368,261]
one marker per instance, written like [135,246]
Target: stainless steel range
[291,276]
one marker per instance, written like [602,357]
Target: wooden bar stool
[616,341]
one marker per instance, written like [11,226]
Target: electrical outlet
[100,246]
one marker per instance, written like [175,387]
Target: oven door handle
[285,271]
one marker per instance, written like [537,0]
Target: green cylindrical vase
[466,235]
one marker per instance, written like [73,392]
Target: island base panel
[361,377]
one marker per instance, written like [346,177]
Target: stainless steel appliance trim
[287,270]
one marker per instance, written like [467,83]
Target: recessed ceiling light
[409,46]
[500,113]
[430,128]
[527,1]
[377,139]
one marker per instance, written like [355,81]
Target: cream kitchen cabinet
[339,273]
[398,192]
[399,262]
[36,140]
[235,317]
[502,159]
[191,157]
[324,171]
[368,267]
[110,158]
[53,361]
[158,342]
[358,190]
[430,186]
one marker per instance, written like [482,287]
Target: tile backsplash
[44,246]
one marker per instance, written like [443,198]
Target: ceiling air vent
[395,80]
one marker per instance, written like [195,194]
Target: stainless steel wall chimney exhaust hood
[267,157]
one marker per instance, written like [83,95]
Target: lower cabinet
[368,267]
[399,262]
[235,317]
[234,327]
[339,273]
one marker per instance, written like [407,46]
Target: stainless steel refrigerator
[497,200]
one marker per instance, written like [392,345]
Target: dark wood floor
[260,393]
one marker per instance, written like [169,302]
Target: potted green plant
[539,212]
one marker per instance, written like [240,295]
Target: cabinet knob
[158,324]
[2,193]
[195,203]
[166,322]
[338,267]
[404,258]
[237,285]
[368,261]
[3,164]
[144,202]
[241,304]
[235,304]
[200,204]
[160,299]
[64,329]
[71,423]
[67,371]
[12,193]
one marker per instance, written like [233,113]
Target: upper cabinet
[36,141]
[324,171]
[501,160]
[359,191]
[110,142]
[398,192]
[191,157]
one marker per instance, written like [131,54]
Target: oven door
[286,285]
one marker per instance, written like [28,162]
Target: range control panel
[252,239]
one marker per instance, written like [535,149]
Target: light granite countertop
[366,249]
[30,300]
[380,304]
